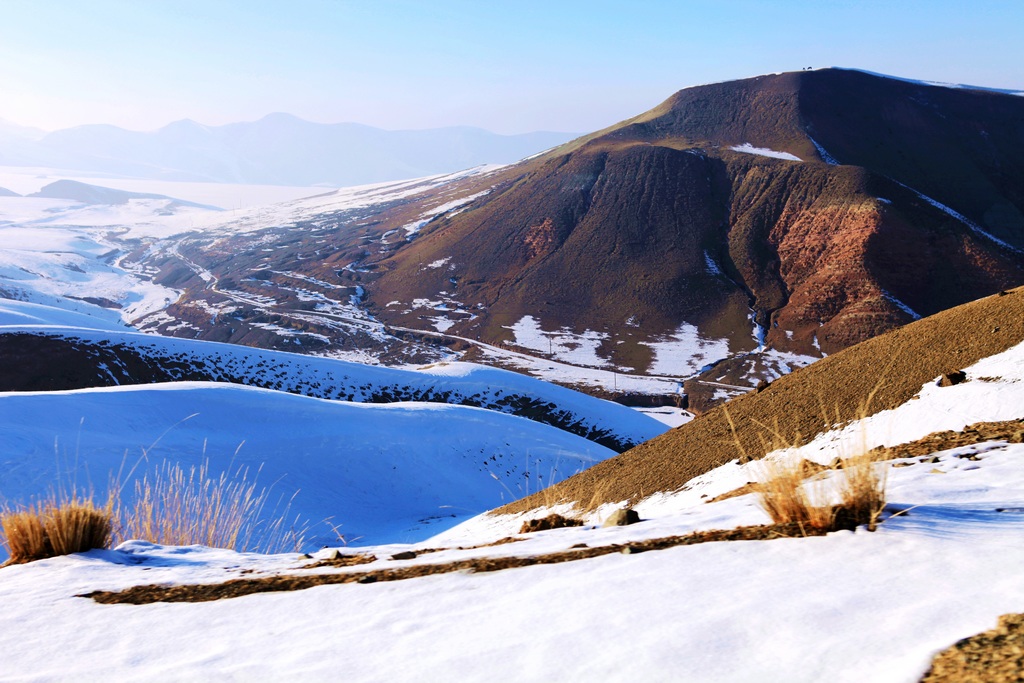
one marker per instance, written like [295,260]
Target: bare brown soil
[342,560]
[875,375]
[994,656]
[1011,431]
[143,595]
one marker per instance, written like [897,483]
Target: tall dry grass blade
[76,526]
[787,499]
[175,507]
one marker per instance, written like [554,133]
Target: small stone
[334,554]
[305,556]
[622,517]
[369,578]
[936,470]
[950,379]
[404,555]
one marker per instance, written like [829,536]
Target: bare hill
[830,205]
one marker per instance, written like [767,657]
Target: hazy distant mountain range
[279,149]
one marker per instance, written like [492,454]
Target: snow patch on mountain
[564,345]
[684,352]
[747,148]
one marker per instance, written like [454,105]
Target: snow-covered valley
[249,274]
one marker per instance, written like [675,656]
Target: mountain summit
[831,205]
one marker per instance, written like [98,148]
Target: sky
[507,66]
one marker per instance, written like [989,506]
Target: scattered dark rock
[404,555]
[337,559]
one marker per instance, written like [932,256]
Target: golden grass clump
[59,525]
[170,507]
[175,507]
[787,500]
[784,494]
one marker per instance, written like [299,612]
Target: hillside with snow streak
[43,348]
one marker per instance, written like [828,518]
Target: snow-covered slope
[380,472]
[21,314]
[850,606]
[112,357]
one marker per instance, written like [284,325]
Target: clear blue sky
[509,66]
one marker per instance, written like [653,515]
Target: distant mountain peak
[95,194]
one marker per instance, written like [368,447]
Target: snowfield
[849,606]
[747,148]
[379,472]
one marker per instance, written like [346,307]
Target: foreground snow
[850,606]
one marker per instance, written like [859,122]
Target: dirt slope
[894,366]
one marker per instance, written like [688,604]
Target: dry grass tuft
[175,507]
[24,536]
[787,500]
[785,495]
[861,492]
[171,507]
[60,525]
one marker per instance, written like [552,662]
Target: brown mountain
[907,199]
